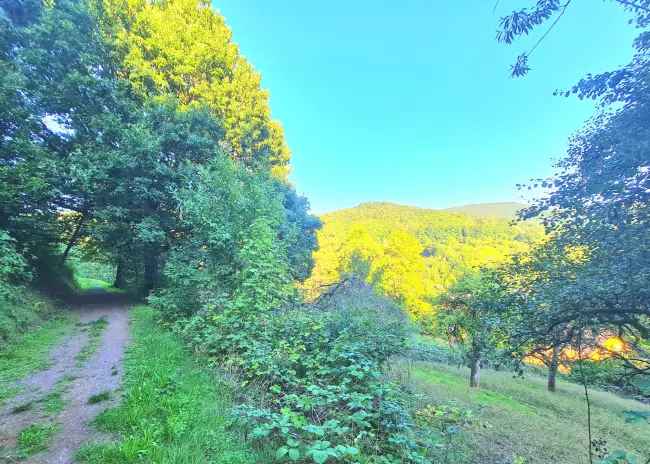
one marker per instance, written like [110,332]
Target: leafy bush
[13,267]
[21,306]
[445,423]
[16,312]
[319,369]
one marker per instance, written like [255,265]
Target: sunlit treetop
[185,48]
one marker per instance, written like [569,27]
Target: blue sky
[412,102]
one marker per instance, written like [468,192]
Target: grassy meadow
[516,420]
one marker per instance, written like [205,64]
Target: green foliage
[469,315]
[597,203]
[446,422]
[232,220]
[20,308]
[413,255]
[13,267]
[262,283]
[89,268]
[524,21]
[107,138]
[320,372]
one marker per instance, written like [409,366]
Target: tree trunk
[475,372]
[150,271]
[120,276]
[552,368]
[73,238]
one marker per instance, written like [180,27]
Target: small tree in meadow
[468,316]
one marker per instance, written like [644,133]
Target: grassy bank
[30,352]
[21,309]
[172,411]
[517,420]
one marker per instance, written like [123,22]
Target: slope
[412,254]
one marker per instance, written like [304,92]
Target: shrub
[319,369]
[13,267]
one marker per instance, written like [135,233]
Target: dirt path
[82,366]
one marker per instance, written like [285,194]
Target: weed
[35,438]
[53,403]
[99,397]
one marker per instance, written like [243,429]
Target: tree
[60,94]
[87,155]
[469,316]
[232,222]
[598,200]
[200,65]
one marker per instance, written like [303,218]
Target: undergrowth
[325,397]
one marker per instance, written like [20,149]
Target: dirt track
[77,379]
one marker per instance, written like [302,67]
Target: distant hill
[415,254]
[505,210]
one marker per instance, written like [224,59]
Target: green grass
[53,403]
[95,330]
[30,353]
[99,397]
[87,284]
[173,410]
[517,417]
[35,438]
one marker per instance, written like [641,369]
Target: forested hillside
[413,254]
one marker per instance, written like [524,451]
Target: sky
[411,101]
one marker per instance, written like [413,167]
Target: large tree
[201,64]
[598,200]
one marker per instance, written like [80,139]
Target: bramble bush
[320,371]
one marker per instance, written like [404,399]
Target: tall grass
[172,411]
